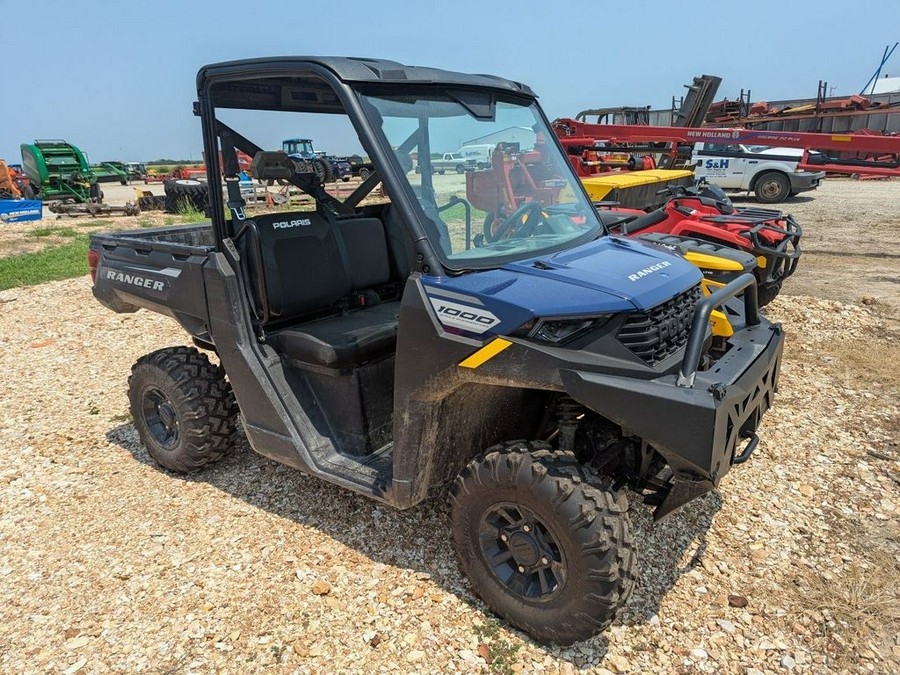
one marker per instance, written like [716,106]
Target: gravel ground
[851,240]
[109,564]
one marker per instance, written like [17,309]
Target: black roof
[358,70]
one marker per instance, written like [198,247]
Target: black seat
[342,341]
[301,264]
[309,265]
[613,219]
[645,221]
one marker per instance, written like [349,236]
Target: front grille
[658,333]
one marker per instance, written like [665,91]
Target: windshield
[512,194]
[298,147]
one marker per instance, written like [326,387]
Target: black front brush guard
[700,323]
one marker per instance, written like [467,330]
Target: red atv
[704,212]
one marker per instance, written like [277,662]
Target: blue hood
[608,275]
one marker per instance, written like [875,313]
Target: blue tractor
[328,169]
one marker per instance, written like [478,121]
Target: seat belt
[232,170]
[333,222]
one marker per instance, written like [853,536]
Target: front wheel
[767,292]
[183,409]
[543,544]
[772,187]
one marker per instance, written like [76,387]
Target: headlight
[559,331]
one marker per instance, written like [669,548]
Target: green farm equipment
[110,172]
[60,171]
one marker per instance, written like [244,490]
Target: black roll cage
[369,135]
[281,88]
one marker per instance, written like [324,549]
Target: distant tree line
[156,162]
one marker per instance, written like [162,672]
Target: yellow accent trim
[718,321]
[712,262]
[486,353]
[842,139]
[721,326]
[705,285]
[761,261]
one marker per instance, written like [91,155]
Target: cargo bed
[160,269]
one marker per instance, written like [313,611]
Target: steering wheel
[520,223]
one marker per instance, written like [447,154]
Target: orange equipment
[8,187]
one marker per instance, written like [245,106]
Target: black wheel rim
[522,552]
[160,417]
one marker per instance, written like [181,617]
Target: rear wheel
[772,187]
[460,168]
[364,173]
[544,545]
[323,170]
[183,409]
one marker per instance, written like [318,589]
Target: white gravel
[109,564]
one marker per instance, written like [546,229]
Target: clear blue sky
[117,77]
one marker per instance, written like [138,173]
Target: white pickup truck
[770,173]
[452,161]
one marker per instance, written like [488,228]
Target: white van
[480,153]
[770,173]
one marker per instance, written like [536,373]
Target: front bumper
[698,419]
[804,181]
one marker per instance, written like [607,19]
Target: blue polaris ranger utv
[399,340]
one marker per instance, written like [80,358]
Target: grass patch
[93,223]
[56,262]
[146,222]
[860,606]
[458,212]
[499,652]
[188,213]
[53,232]
[876,353]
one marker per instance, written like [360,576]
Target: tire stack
[153,203]
[185,194]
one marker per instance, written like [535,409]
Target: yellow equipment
[617,185]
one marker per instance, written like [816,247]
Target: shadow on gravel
[796,199]
[418,539]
